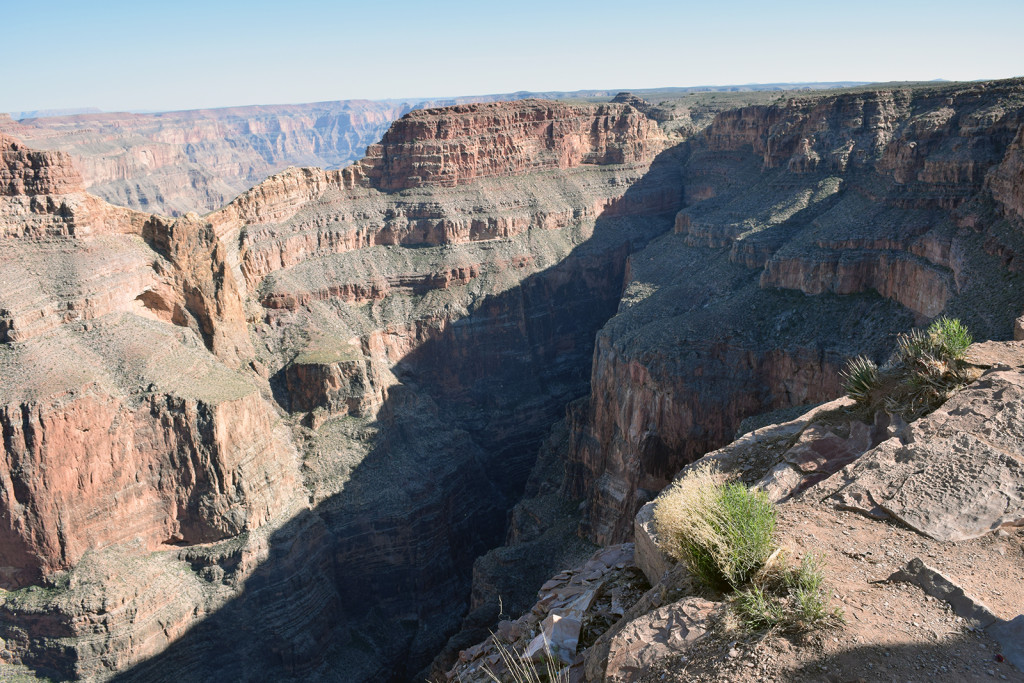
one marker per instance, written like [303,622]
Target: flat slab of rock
[960,472]
[665,632]
[995,354]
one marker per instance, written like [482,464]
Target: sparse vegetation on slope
[522,669]
[787,598]
[721,531]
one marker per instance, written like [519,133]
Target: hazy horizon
[122,56]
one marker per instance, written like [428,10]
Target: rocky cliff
[814,230]
[303,416]
[270,373]
[936,590]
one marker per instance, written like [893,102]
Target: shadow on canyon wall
[370,583]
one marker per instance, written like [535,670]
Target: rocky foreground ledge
[919,525]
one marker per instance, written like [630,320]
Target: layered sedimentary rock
[814,229]
[418,343]
[431,147]
[175,162]
[325,397]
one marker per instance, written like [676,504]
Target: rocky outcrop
[427,337]
[959,472]
[334,387]
[573,609]
[1007,179]
[174,464]
[25,171]
[431,147]
[675,632]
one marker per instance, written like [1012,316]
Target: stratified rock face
[119,426]
[176,162]
[814,231]
[411,325]
[1007,180]
[432,147]
[418,344]
[30,172]
[87,464]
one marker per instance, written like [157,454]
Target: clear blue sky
[184,54]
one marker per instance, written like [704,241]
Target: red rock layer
[169,470]
[29,172]
[456,145]
[916,176]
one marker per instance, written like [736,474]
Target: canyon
[175,162]
[286,437]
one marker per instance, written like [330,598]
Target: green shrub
[789,599]
[951,337]
[860,378]
[926,368]
[723,532]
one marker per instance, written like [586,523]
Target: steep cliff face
[24,171]
[433,148]
[814,230]
[118,425]
[319,403]
[417,343]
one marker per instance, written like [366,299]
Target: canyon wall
[296,421]
[175,162]
[327,368]
[815,229]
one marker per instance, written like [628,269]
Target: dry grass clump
[924,371]
[724,533]
[787,598]
[721,531]
[522,669]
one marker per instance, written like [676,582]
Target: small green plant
[860,378]
[787,598]
[723,532]
[524,670]
[927,367]
[951,336]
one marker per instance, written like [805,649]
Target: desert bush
[925,369]
[860,378]
[722,531]
[787,598]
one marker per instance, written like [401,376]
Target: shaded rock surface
[911,602]
[401,334]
